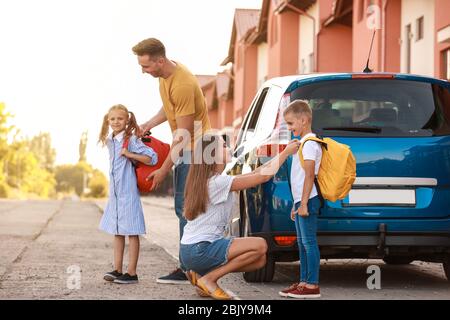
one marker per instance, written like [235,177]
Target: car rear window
[377,107]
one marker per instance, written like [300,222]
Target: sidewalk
[162,226]
[47,246]
[163,231]
[42,243]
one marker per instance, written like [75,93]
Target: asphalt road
[54,250]
[340,279]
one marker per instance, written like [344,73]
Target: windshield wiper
[355,129]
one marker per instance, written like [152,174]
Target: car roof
[289,83]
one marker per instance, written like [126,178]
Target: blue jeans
[203,257]
[179,181]
[306,228]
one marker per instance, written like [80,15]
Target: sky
[63,64]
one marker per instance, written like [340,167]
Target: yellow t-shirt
[182,96]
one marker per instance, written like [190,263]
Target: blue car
[398,128]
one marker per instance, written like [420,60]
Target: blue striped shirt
[123,214]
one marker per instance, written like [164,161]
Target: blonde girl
[123,214]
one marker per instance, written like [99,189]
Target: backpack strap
[126,143]
[302,162]
[289,164]
[319,193]
[300,150]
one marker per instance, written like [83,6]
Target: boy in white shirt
[298,117]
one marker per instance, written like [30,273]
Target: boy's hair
[151,47]
[299,107]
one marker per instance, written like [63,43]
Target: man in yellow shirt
[184,107]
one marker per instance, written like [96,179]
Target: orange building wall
[245,74]
[334,43]
[393,35]
[209,91]
[214,118]
[442,16]
[334,46]
[362,37]
[282,36]
[225,113]
[250,76]
[238,70]
[325,9]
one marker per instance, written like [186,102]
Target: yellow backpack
[337,169]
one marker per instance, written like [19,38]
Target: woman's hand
[292,147]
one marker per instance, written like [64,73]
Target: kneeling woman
[204,250]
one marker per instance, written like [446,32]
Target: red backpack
[142,170]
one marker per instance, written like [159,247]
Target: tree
[41,146]
[73,178]
[98,185]
[27,166]
[25,172]
[4,188]
[41,182]
[82,146]
[4,131]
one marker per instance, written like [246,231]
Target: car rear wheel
[393,260]
[446,266]
[262,275]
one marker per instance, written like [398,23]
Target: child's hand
[125,153]
[293,214]
[303,211]
[292,147]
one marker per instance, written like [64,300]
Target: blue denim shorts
[203,257]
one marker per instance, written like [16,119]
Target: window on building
[419,29]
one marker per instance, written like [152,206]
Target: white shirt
[311,151]
[210,226]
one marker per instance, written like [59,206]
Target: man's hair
[152,47]
[299,107]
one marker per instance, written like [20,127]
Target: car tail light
[270,150]
[373,76]
[285,241]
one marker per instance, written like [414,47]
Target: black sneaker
[126,279]
[111,276]
[175,277]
